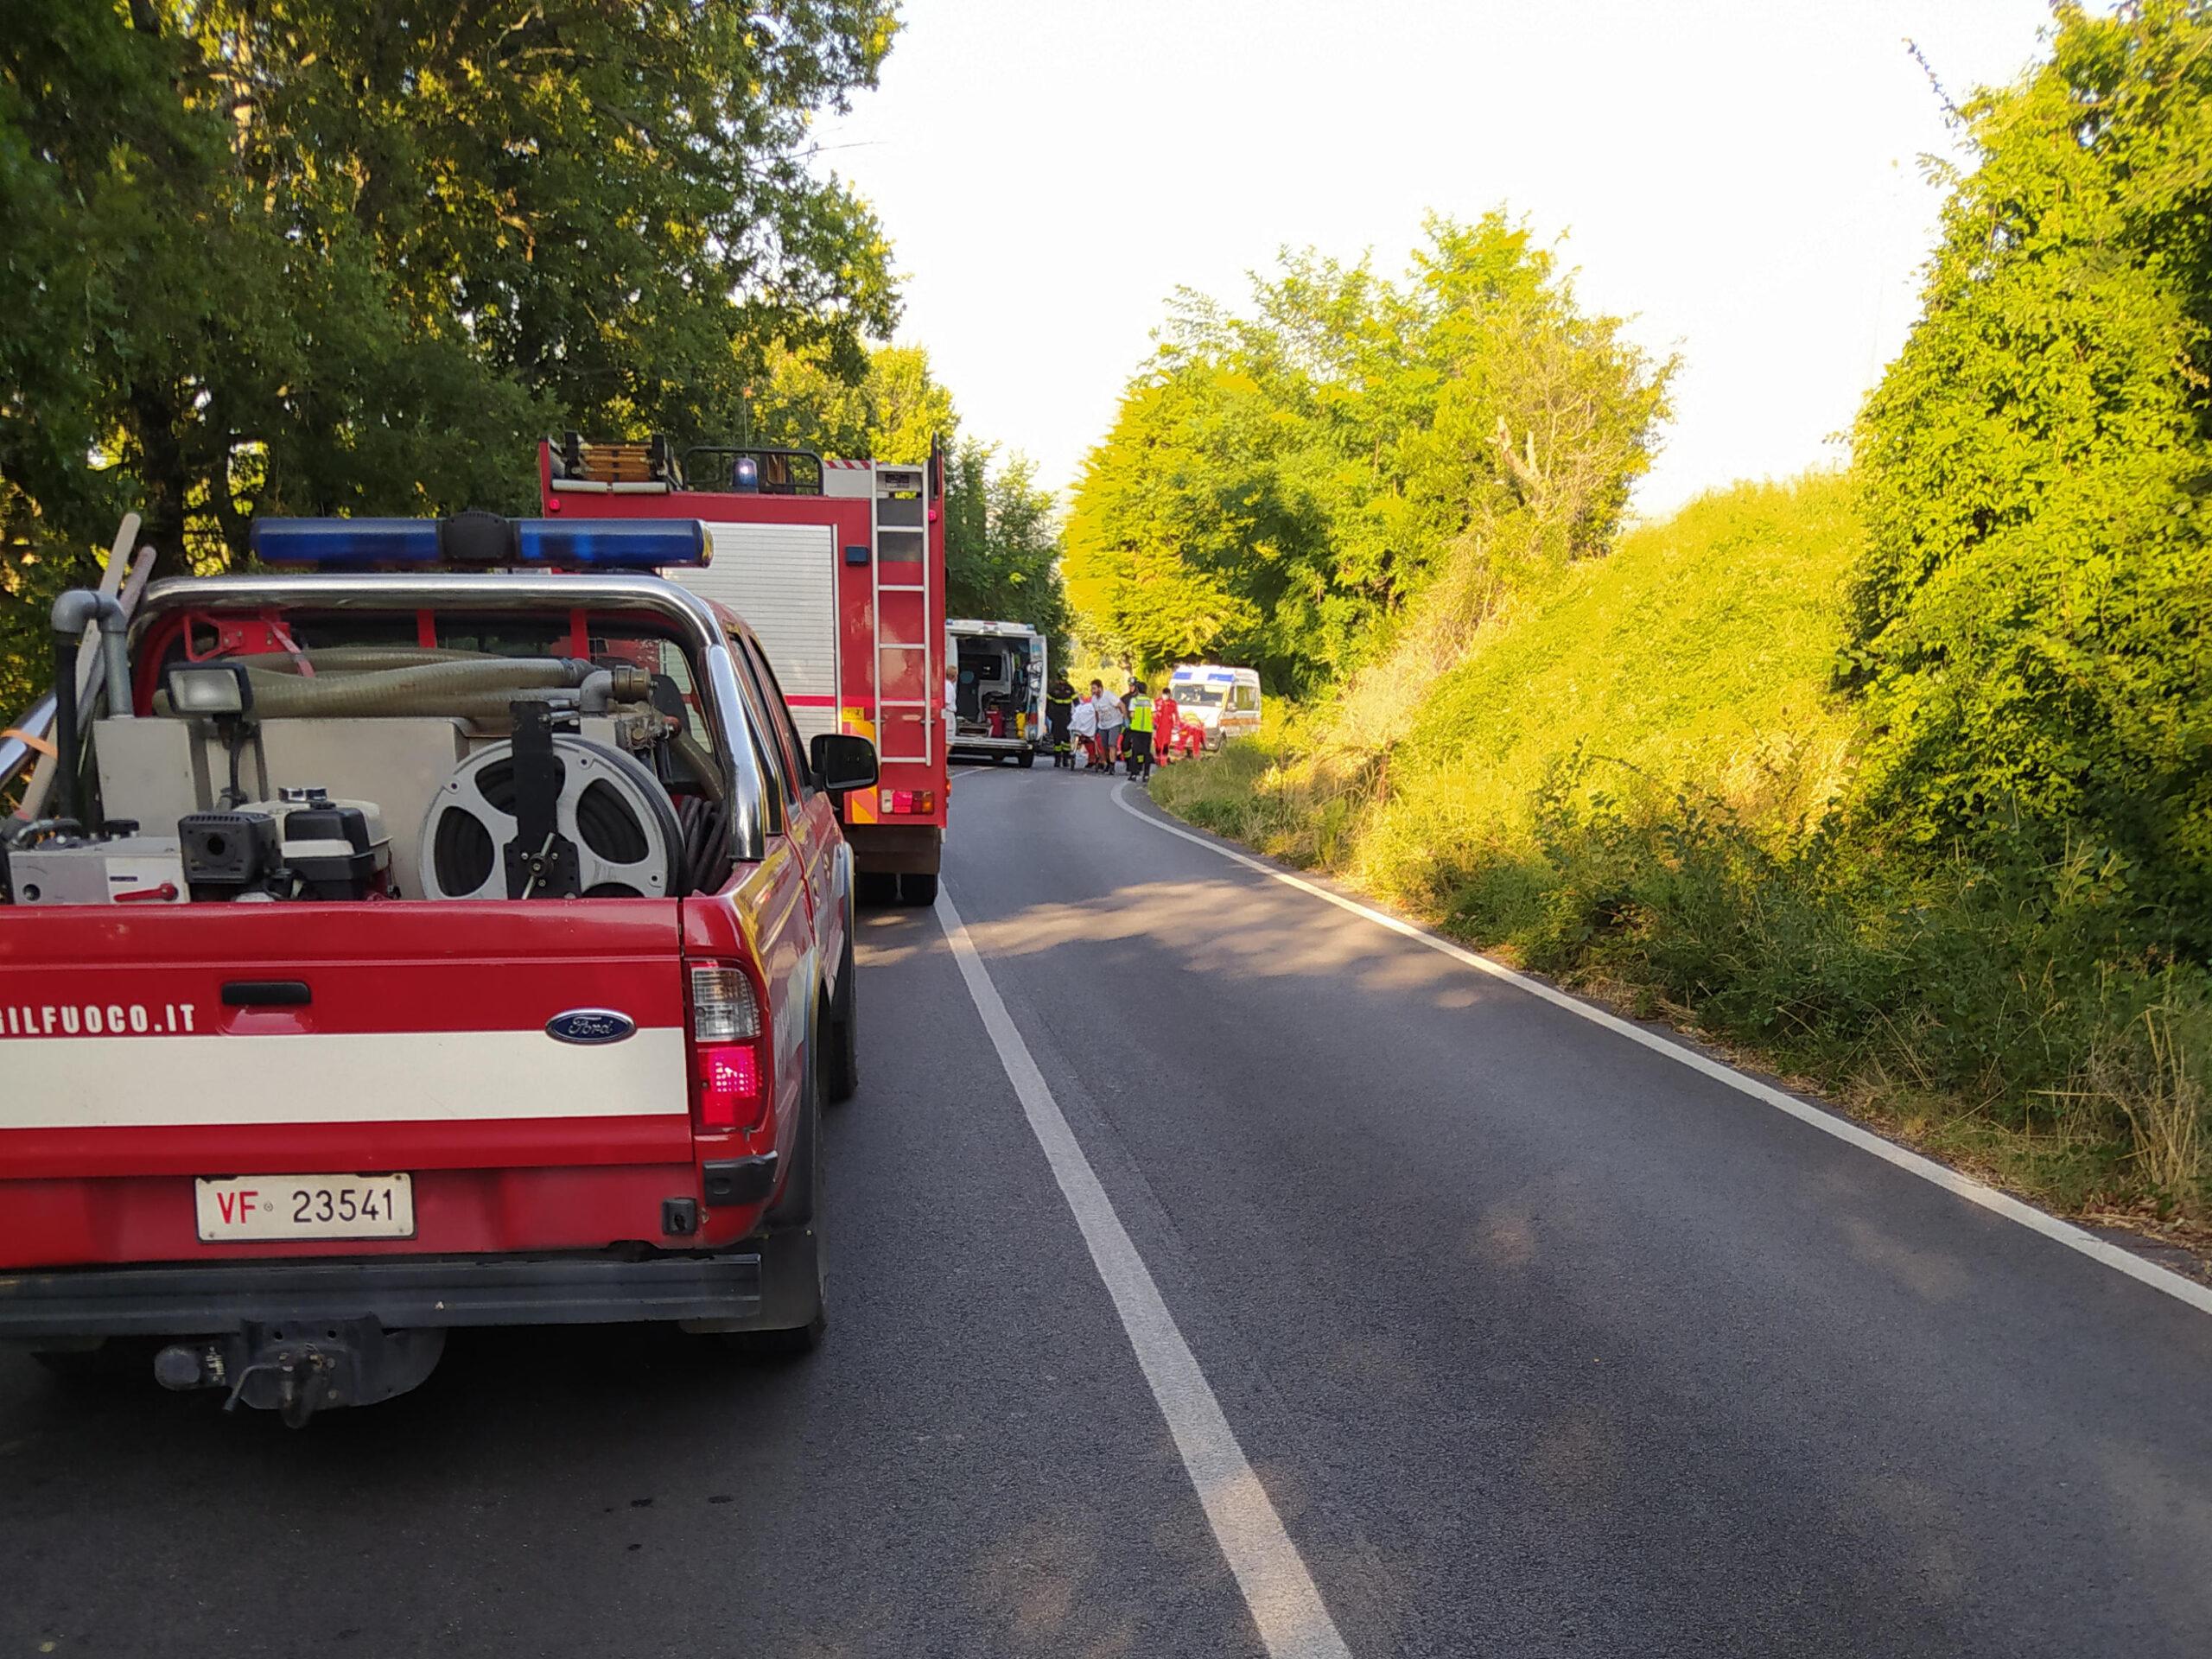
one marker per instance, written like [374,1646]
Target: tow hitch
[297,1372]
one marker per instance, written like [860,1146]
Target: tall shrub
[2032,624]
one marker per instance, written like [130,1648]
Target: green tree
[893,410]
[1002,545]
[309,256]
[2032,625]
[1280,488]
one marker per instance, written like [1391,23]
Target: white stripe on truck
[87,1083]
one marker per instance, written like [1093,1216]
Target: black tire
[917,889]
[1028,759]
[841,1056]
[875,887]
[802,1191]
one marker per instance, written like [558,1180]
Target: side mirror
[842,764]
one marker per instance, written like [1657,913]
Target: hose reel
[551,814]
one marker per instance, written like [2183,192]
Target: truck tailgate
[141,1051]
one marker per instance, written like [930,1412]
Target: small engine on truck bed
[302,845]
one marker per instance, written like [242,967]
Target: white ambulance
[1224,702]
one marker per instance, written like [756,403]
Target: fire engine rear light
[723,1008]
[729,1086]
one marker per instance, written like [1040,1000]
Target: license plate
[248,1207]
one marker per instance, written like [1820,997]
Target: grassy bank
[1634,779]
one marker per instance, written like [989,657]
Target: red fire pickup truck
[456,932]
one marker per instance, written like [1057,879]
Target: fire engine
[451,928]
[839,566]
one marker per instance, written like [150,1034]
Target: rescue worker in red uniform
[1165,715]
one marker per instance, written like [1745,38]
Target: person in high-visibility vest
[1059,710]
[1139,703]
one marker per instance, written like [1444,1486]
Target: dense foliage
[311,256]
[1277,488]
[2033,623]
[1002,545]
[1625,780]
[1968,882]
[894,410]
[1002,537]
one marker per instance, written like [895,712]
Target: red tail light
[727,1089]
[729,1086]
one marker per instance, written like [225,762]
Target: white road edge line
[1293,1621]
[2178,1285]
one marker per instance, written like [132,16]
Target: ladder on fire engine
[900,513]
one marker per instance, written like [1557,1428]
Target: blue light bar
[479,541]
[347,543]
[612,543]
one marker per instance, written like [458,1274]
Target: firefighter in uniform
[1060,708]
[1139,707]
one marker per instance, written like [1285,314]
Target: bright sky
[1742,176]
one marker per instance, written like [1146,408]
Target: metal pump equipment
[53,861]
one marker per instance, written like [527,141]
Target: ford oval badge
[591,1025]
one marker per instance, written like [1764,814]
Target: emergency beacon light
[480,541]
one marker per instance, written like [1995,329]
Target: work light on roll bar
[481,541]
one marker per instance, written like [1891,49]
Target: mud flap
[790,1279]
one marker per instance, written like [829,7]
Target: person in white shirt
[1111,718]
[1082,726]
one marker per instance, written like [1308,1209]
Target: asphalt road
[1522,1338]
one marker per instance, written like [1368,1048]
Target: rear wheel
[796,1205]
[917,889]
[1028,759]
[843,1057]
